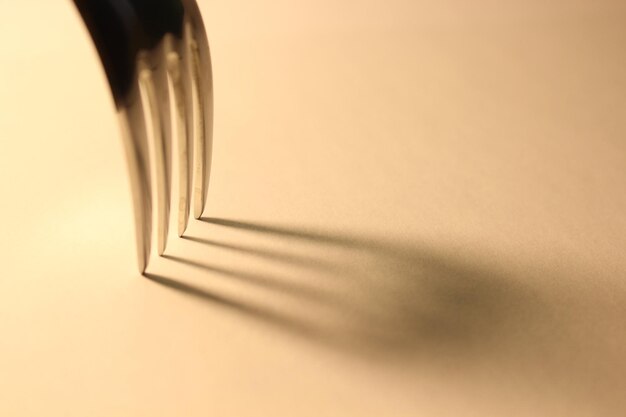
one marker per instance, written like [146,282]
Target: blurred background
[416,208]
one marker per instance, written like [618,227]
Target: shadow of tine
[296,233]
[299,260]
[399,298]
[300,291]
[297,326]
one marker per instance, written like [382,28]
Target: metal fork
[156,57]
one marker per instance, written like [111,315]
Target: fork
[156,58]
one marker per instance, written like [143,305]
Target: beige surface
[422,206]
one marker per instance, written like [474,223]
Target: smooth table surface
[417,208]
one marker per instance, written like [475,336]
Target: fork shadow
[383,297]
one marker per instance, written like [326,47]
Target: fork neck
[121,29]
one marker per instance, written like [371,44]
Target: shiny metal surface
[178,111]
[157,60]
[135,141]
[157,151]
[202,109]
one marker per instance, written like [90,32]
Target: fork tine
[201,92]
[178,113]
[156,58]
[158,146]
[131,119]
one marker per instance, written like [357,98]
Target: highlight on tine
[157,61]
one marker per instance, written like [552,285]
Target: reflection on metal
[201,138]
[179,128]
[156,58]
[157,152]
